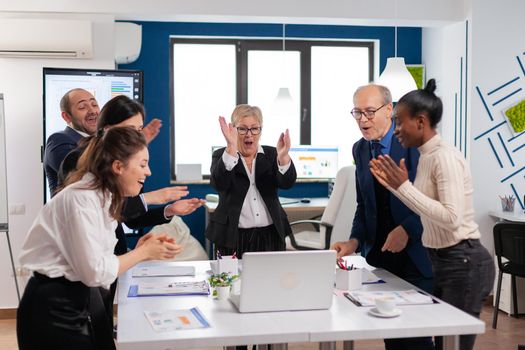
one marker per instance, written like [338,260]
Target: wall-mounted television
[103,84]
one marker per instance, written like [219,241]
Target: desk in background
[294,208]
[506,303]
[516,216]
[343,321]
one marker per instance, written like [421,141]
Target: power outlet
[17,209]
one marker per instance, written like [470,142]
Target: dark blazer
[365,220]
[58,145]
[233,186]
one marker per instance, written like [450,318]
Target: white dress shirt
[74,236]
[254,212]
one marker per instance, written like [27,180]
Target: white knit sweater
[441,195]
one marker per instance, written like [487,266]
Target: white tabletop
[515,216]
[343,321]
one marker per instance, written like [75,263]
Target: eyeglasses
[243,131]
[368,113]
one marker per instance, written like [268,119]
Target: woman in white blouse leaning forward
[70,245]
[247,177]
[442,196]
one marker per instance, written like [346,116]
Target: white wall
[495,40]
[497,29]
[21,84]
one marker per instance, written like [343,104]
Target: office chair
[509,244]
[336,220]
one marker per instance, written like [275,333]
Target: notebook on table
[286,281]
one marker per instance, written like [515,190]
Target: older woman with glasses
[249,217]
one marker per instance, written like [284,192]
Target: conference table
[343,321]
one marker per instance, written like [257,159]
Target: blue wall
[154,60]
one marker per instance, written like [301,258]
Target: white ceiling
[360,12]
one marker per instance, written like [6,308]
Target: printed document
[171,320]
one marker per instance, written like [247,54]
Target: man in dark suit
[387,233]
[80,111]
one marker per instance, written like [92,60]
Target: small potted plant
[222,283]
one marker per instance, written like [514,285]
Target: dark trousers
[463,277]
[54,313]
[403,267]
[257,239]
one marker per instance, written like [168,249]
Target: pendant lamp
[283,101]
[396,76]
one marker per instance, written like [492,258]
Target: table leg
[208,245]
[348,345]
[451,342]
[327,345]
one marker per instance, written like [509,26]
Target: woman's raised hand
[283,146]
[230,135]
[387,172]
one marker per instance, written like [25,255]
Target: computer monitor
[313,162]
[103,84]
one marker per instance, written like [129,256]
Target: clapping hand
[159,246]
[388,173]
[283,146]
[165,195]
[230,135]
[152,129]
[184,207]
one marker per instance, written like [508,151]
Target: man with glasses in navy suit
[384,230]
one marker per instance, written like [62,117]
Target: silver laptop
[285,281]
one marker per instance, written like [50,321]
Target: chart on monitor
[103,84]
[312,162]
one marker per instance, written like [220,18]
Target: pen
[349,297]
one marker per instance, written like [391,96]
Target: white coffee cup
[385,305]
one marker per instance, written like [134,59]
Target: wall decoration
[418,72]
[513,115]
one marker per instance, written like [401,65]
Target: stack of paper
[405,297]
[162,270]
[168,288]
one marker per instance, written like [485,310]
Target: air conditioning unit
[128,40]
[45,38]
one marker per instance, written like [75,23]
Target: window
[210,77]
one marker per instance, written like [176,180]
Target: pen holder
[507,204]
[348,279]
[228,264]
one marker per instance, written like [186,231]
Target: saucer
[375,312]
